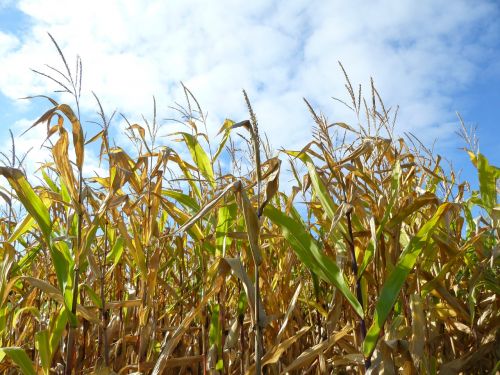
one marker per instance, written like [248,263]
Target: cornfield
[192,260]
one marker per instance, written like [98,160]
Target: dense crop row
[178,265]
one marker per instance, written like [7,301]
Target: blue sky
[432,58]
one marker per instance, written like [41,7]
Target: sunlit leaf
[20,358]
[392,286]
[311,254]
[200,157]
[29,199]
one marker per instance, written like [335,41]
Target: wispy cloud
[420,54]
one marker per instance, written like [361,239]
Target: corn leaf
[20,358]
[57,326]
[78,138]
[274,354]
[57,296]
[200,157]
[309,252]
[319,187]
[29,199]
[22,227]
[392,286]
[226,216]
[252,224]
[60,152]
[370,250]
[239,271]
[488,175]
[226,128]
[42,345]
[116,251]
[185,200]
[305,358]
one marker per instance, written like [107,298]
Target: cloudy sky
[432,58]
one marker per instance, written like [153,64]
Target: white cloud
[7,42]
[420,54]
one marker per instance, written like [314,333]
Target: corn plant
[176,260]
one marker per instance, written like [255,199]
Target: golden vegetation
[170,265]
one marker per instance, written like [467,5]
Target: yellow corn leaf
[309,355]
[61,158]
[78,138]
[57,296]
[274,354]
[171,343]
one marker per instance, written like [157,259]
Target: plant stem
[258,332]
[104,311]
[254,132]
[71,345]
[359,295]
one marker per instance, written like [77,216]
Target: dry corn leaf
[274,354]
[309,355]
[170,344]
[289,311]
[56,295]
[239,271]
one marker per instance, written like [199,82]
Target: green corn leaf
[226,215]
[309,252]
[200,157]
[57,327]
[93,296]
[392,286]
[29,199]
[214,333]
[49,181]
[221,146]
[42,345]
[226,128]
[90,235]
[61,259]
[116,252]
[488,175]
[26,260]
[20,358]
[185,200]
[22,227]
[319,187]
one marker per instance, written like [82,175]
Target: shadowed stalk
[71,344]
[104,310]
[254,131]
[103,338]
[354,267]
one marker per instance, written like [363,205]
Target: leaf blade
[310,254]
[394,283]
